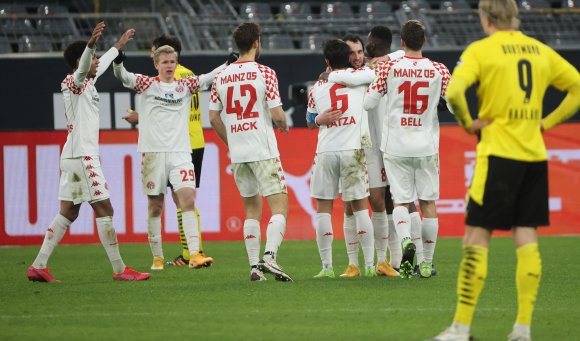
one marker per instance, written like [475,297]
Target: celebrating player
[82,178]
[164,142]
[509,190]
[410,140]
[340,157]
[250,94]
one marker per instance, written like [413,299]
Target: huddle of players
[376,122]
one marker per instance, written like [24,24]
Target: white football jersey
[351,130]
[413,87]
[81,106]
[248,90]
[164,115]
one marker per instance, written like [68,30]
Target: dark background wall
[28,84]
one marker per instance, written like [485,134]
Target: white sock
[350,239]
[402,222]
[108,238]
[252,240]
[395,250]
[154,230]
[324,238]
[275,233]
[53,236]
[430,230]
[364,229]
[381,231]
[190,230]
[416,236]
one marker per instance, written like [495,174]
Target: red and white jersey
[351,130]
[413,87]
[248,90]
[164,115]
[81,106]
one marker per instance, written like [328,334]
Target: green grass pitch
[220,303]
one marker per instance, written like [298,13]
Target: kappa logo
[327,234]
[88,158]
[93,175]
[250,236]
[401,222]
[89,167]
[97,192]
[95,184]
[428,241]
[150,185]
[361,232]
[50,230]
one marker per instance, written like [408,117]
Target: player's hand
[125,38]
[232,58]
[328,116]
[324,76]
[284,130]
[477,125]
[132,117]
[97,34]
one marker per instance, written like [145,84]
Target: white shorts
[82,180]
[265,177]
[347,168]
[413,178]
[376,167]
[160,169]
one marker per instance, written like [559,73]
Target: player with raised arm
[164,144]
[249,93]
[82,178]
[413,86]
[509,190]
[340,157]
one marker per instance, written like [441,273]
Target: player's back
[82,116]
[513,72]
[414,87]
[351,130]
[247,91]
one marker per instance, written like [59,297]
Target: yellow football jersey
[195,129]
[513,71]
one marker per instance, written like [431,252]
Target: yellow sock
[184,249]
[470,281]
[199,228]
[528,274]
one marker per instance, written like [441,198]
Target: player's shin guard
[381,234]
[430,229]
[53,236]
[350,239]
[470,281]
[108,238]
[528,274]
[182,238]
[190,230]
[395,250]
[252,240]
[154,230]
[275,233]
[364,229]
[416,237]
[324,238]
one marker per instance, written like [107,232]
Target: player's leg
[351,241]
[324,236]
[380,223]
[197,159]
[154,209]
[395,251]
[427,182]
[183,258]
[39,272]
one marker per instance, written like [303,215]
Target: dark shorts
[197,159]
[515,193]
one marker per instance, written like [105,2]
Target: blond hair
[162,49]
[501,13]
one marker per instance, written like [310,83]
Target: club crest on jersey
[168,95]
[179,89]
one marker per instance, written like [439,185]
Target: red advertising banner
[29,173]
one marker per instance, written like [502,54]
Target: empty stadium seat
[454,5]
[336,10]
[295,11]
[534,4]
[256,11]
[277,41]
[34,44]
[5,46]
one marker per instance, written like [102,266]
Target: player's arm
[128,79]
[352,78]
[114,52]
[565,78]
[132,117]
[218,125]
[378,88]
[279,118]
[80,74]
[206,79]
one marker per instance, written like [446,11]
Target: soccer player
[249,92]
[413,85]
[340,157]
[509,190]
[196,139]
[82,178]
[164,144]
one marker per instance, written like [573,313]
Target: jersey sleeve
[192,83]
[272,92]
[468,67]
[106,60]
[82,70]
[396,55]
[445,76]
[215,102]
[564,75]
[378,88]
[311,104]
[352,77]
[206,80]
[133,81]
